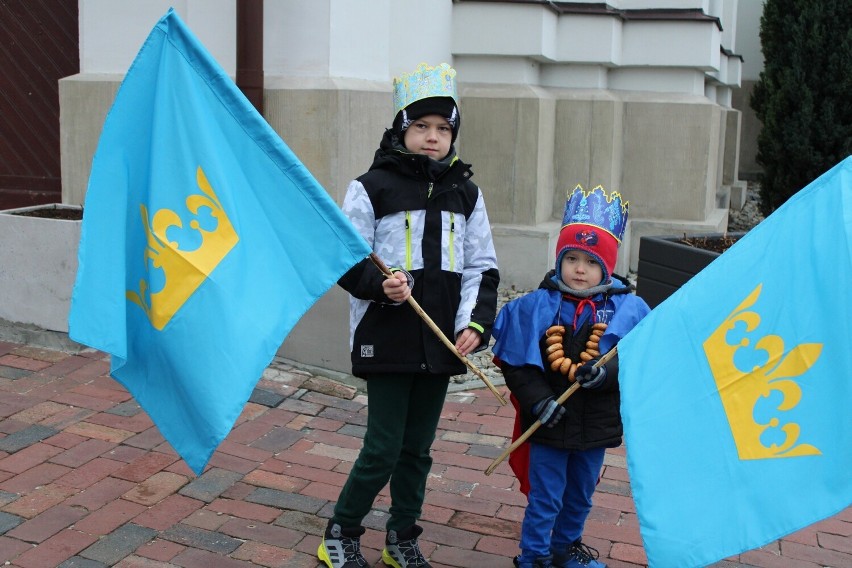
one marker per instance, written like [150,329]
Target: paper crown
[422,83]
[594,223]
[598,209]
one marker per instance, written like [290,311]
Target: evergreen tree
[804,94]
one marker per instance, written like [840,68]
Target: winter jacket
[428,219]
[592,417]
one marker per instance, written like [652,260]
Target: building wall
[637,105]
[748,45]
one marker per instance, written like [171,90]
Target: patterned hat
[594,223]
[426,90]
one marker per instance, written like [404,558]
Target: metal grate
[39,44]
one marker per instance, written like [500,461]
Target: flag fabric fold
[736,390]
[204,241]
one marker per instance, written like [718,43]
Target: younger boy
[427,221]
[545,341]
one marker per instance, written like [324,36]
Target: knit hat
[594,223]
[426,90]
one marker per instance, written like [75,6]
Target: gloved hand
[590,377]
[548,411]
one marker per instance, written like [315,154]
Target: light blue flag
[736,391]
[204,240]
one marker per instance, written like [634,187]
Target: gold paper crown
[741,392]
[184,271]
[422,83]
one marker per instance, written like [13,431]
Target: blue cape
[522,323]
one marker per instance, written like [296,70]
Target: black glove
[548,411]
[590,377]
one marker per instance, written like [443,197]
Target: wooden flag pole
[388,274]
[562,398]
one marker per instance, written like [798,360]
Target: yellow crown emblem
[184,270]
[741,392]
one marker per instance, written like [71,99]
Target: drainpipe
[250,51]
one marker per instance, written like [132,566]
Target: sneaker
[540,562]
[341,548]
[401,549]
[578,555]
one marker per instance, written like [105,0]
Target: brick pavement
[87,481]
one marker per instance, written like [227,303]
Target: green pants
[402,416]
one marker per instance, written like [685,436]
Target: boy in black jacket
[427,221]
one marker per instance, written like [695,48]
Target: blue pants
[562,483]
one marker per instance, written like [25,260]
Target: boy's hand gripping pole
[388,274]
[562,398]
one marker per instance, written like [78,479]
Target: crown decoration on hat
[597,208]
[422,83]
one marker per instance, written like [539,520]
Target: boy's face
[579,270]
[430,135]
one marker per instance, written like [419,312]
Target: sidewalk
[87,481]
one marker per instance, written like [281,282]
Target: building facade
[634,95]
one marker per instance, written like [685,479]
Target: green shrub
[804,94]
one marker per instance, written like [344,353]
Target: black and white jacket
[429,219]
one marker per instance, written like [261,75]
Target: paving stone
[169,511]
[45,525]
[277,439]
[243,510]
[55,550]
[266,398]
[354,431]
[13,373]
[8,522]
[229,462]
[145,466]
[26,437]
[199,538]
[28,457]
[331,388]
[348,416]
[83,452]
[194,558]
[101,493]
[306,522]
[155,488]
[119,543]
[6,497]
[261,532]
[300,406]
[79,562]
[28,481]
[111,516]
[211,484]
[286,500]
[128,408]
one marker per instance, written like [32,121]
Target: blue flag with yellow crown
[736,390]
[204,240]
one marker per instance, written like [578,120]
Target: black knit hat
[442,106]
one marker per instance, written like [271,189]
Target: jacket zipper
[408,240]
[452,242]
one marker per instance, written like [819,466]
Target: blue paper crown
[597,208]
[422,83]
